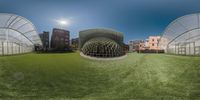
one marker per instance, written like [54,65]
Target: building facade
[152,43]
[75,43]
[45,40]
[126,47]
[136,45]
[60,40]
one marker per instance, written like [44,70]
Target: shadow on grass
[50,83]
[55,52]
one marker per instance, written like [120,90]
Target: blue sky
[137,19]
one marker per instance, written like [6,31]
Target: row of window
[151,44]
[154,40]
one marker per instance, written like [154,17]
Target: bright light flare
[63,22]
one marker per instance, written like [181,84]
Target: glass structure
[182,36]
[101,43]
[17,35]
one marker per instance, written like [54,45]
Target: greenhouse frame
[101,43]
[17,35]
[182,36]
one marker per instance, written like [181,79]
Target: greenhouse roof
[18,26]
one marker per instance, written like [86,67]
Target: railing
[10,48]
[184,49]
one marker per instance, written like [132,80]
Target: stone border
[103,59]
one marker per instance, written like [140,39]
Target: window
[153,44]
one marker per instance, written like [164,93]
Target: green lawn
[67,75]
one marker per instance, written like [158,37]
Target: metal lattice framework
[182,36]
[102,47]
[17,35]
[101,43]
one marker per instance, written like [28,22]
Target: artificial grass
[67,75]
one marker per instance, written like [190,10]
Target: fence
[10,48]
[190,48]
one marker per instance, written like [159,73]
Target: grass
[67,75]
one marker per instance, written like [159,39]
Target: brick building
[60,40]
[75,43]
[152,43]
[45,40]
[135,45]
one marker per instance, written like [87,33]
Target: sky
[137,19]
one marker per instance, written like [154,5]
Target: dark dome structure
[101,43]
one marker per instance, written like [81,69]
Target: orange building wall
[152,43]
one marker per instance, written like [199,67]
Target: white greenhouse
[17,35]
[182,36]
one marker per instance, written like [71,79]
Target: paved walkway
[96,58]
